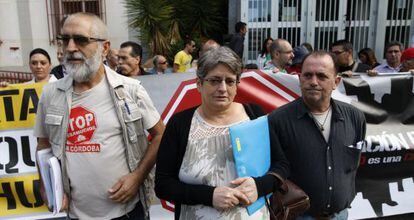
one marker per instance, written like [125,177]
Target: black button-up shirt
[324,170]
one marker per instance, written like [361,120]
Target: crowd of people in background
[276,55]
[89,78]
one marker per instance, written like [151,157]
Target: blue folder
[251,149]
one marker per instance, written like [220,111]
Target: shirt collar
[303,110]
[392,68]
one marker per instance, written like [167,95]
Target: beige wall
[24,24]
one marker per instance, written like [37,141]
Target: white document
[52,178]
[57,185]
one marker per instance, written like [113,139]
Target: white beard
[85,71]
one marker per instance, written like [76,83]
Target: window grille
[59,9]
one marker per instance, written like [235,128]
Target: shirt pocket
[352,157]
[53,122]
[133,121]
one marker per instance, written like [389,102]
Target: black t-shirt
[58,71]
[359,68]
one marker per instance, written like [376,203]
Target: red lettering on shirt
[82,125]
[83,148]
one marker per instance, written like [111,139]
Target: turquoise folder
[251,149]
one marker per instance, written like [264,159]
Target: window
[60,9]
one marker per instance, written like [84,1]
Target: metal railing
[57,10]
[365,23]
[15,77]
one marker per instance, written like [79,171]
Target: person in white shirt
[264,57]
[40,66]
[393,52]
[95,121]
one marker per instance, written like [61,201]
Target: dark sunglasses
[78,39]
[162,63]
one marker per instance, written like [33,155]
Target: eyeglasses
[78,39]
[217,81]
[337,52]
[287,52]
[162,63]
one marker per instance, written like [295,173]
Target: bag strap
[271,212]
[283,186]
[277,197]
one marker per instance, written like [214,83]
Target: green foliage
[163,23]
[200,18]
[152,17]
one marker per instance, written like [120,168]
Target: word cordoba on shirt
[82,126]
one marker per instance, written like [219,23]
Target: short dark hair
[322,53]
[136,49]
[344,43]
[394,43]
[188,41]
[41,51]
[239,25]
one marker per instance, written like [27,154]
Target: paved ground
[156,212]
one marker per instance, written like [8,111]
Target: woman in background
[40,66]
[367,56]
[264,57]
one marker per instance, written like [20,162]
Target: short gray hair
[221,55]
[98,27]
[155,60]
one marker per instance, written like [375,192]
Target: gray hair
[155,60]
[221,55]
[98,28]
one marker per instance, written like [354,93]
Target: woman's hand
[225,197]
[247,186]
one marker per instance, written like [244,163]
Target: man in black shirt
[321,138]
[59,71]
[237,40]
[345,59]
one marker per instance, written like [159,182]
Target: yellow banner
[18,197]
[18,105]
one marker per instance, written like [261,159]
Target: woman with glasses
[195,165]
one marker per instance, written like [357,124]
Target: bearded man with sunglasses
[94,120]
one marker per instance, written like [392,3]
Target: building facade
[29,24]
